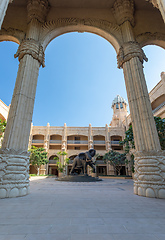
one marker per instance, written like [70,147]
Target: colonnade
[64,135]
[149,161]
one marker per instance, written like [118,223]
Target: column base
[14,173]
[149,177]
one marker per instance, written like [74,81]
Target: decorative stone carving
[123,10]
[60,22]
[149,178]
[12,34]
[64,145]
[108,146]
[33,48]
[14,173]
[129,50]
[37,9]
[90,144]
[107,26]
[148,37]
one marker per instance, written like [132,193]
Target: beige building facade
[33,24]
[74,140]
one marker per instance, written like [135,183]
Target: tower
[119,106]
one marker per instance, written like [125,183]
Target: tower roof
[118,99]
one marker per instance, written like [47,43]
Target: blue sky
[80,79]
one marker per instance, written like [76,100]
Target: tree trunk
[38,171]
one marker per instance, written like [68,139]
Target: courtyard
[82,211]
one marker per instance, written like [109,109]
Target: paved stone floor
[82,211]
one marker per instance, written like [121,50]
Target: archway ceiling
[147,18]
[86,3]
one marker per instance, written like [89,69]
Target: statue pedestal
[79,178]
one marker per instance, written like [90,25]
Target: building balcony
[52,161]
[115,142]
[37,141]
[55,142]
[158,108]
[99,142]
[77,142]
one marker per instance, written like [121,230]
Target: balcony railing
[37,141]
[98,142]
[115,142]
[56,141]
[76,142]
[52,161]
[158,108]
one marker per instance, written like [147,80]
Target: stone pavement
[82,211]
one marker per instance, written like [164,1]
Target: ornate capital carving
[37,9]
[129,50]
[33,48]
[123,10]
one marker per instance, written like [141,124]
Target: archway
[52,167]
[130,56]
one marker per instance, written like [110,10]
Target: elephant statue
[82,161]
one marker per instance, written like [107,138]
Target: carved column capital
[33,48]
[130,50]
[123,10]
[37,9]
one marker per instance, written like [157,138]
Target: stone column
[46,144]
[14,178]
[64,148]
[3,7]
[149,159]
[107,139]
[47,137]
[64,138]
[30,137]
[90,137]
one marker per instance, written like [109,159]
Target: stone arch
[160,100]
[2,117]
[115,142]
[99,142]
[99,136]
[57,137]
[38,140]
[115,135]
[149,38]
[52,157]
[110,32]
[38,137]
[77,135]
[11,34]
[10,38]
